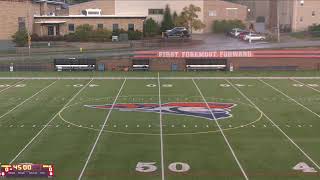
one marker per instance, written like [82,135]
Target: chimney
[43,8]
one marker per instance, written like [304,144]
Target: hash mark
[253,125]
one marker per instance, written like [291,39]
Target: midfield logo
[195,109]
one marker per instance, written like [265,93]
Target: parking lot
[222,42]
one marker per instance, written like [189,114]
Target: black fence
[27,67]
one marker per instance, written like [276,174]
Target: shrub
[118,32]
[314,30]
[101,35]
[20,38]
[135,35]
[35,37]
[226,25]
[83,32]
[86,33]
[132,35]
[151,28]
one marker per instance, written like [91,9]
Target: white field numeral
[148,167]
[163,85]
[304,167]
[179,167]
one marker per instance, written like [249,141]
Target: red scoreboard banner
[227,54]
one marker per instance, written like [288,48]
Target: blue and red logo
[195,109]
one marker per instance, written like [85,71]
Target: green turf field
[163,129]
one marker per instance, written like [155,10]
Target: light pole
[278,20]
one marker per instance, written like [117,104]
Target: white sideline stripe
[11,86]
[161,130]
[27,99]
[151,78]
[290,98]
[26,146]
[306,85]
[296,145]
[222,133]
[101,130]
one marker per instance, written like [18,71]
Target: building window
[155,11]
[213,13]
[100,26]
[50,30]
[21,23]
[115,27]
[313,13]
[232,12]
[301,19]
[71,27]
[130,27]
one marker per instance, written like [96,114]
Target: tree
[83,32]
[175,18]
[151,27]
[20,38]
[182,20]
[189,14]
[167,22]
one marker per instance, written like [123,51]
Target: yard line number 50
[148,167]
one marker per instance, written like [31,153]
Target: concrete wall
[237,63]
[268,63]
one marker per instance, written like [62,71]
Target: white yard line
[27,99]
[100,132]
[306,85]
[274,88]
[151,78]
[275,125]
[161,130]
[27,145]
[222,133]
[11,86]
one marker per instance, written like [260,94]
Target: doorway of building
[53,30]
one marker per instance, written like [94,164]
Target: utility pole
[278,20]
[28,28]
